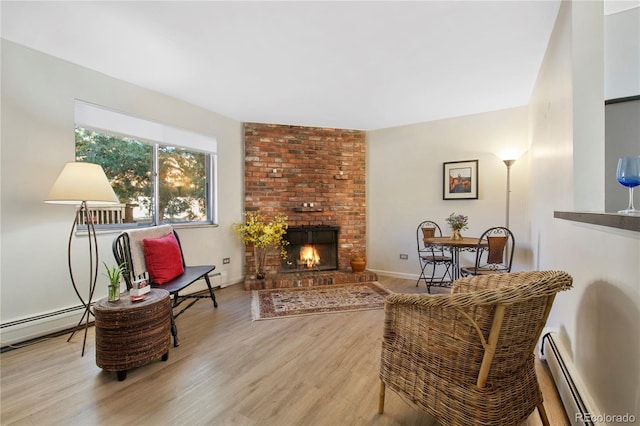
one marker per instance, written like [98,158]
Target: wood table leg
[381,401]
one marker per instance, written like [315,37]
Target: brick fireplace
[313,175]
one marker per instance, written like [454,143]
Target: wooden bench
[128,249]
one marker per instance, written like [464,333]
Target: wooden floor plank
[228,370]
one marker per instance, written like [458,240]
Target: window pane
[127,164]
[182,181]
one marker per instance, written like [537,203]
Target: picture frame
[460,180]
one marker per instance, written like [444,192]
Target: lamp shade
[510,154]
[82,182]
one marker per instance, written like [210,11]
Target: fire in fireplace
[309,256]
[311,248]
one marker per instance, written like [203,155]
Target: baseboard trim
[392,274]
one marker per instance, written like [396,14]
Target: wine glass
[628,174]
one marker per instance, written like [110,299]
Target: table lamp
[79,184]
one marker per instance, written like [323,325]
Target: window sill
[612,220]
[81,230]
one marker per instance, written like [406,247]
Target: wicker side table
[132,334]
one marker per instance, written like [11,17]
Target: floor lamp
[508,164]
[79,184]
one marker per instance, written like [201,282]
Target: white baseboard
[392,274]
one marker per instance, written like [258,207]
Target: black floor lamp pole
[93,268]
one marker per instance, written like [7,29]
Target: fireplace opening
[311,248]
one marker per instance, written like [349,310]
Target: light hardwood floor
[228,370]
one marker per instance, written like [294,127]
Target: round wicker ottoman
[132,334]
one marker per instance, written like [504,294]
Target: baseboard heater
[27,329]
[31,328]
[576,401]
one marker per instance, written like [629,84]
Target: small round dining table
[455,246]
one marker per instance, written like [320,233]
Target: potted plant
[263,235]
[457,224]
[114,274]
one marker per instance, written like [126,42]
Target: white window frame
[103,120]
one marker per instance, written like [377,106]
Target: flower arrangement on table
[457,222]
[262,235]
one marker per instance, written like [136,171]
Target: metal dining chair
[432,255]
[494,253]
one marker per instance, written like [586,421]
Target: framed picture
[460,180]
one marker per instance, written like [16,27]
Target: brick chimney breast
[314,176]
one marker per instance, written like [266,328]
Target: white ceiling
[356,65]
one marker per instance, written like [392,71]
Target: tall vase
[259,254]
[456,235]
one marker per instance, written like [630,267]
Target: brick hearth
[309,279]
[314,176]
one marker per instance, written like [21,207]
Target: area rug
[288,302]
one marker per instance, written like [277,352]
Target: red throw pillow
[163,259]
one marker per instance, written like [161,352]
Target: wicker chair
[468,358]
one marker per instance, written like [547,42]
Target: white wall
[404,184]
[600,316]
[587,51]
[622,54]
[38,93]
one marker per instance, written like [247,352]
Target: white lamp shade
[82,182]
[510,154]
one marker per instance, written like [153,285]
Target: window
[157,181]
